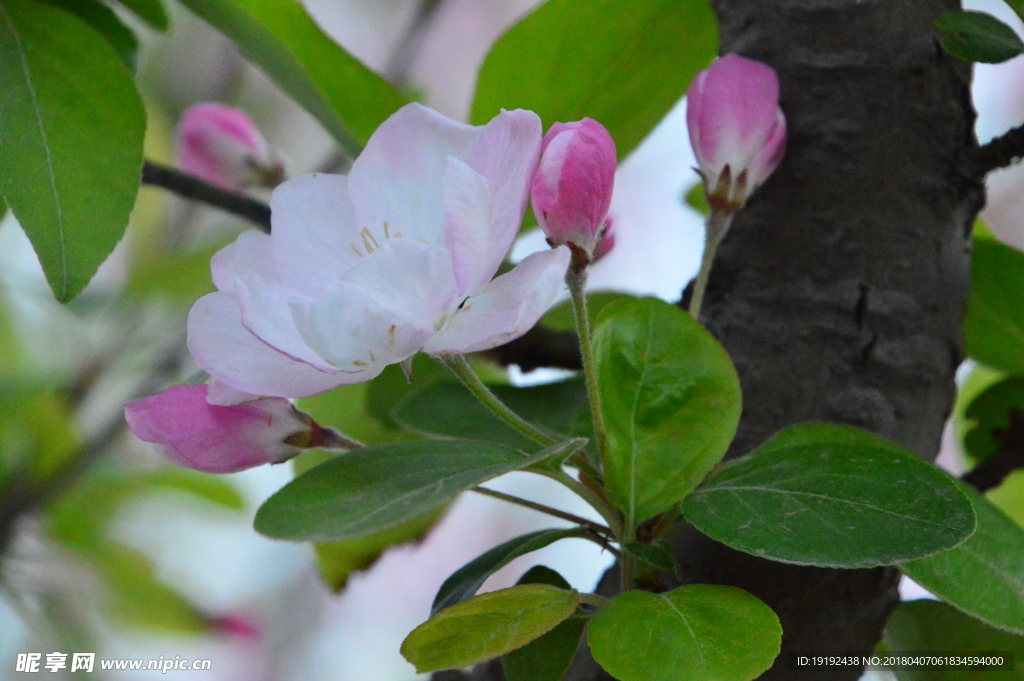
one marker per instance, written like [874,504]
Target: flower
[366,270]
[572,188]
[223,146]
[737,129]
[193,433]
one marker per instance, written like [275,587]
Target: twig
[191,187]
[991,472]
[1000,152]
[519,501]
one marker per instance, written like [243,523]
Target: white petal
[349,330]
[467,234]
[267,313]
[314,234]
[397,180]
[506,156]
[507,307]
[250,252]
[230,353]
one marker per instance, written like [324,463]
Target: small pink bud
[737,129]
[223,146]
[216,439]
[236,626]
[572,187]
[607,242]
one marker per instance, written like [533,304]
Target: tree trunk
[840,291]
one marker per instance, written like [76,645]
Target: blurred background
[131,558]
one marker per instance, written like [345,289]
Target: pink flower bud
[737,129]
[222,145]
[237,627]
[572,187]
[215,439]
[607,242]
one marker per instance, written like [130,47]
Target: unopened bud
[737,129]
[193,433]
[572,187]
[223,146]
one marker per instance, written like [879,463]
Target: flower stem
[628,565]
[576,278]
[519,501]
[716,226]
[610,515]
[460,367]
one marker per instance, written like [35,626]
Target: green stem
[593,599]
[526,503]
[717,225]
[628,565]
[460,367]
[576,278]
[610,515]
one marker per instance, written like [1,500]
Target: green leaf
[376,488]
[620,62]
[832,496]
[696,199]
[150,11]
[487,626]
[671,403]
[385,392]
[339,559]
[977,36]
[137,599]
[348,99]
[657,554]
[103,20]
[72,172]
[925,626]
[984,576]
[446,408]
[989,412]
[693,632]
[994,327]
[548,657]
[464,582]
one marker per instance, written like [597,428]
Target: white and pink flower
[193,433]
[737,129]
[366,270]
[572,188]
[221,144]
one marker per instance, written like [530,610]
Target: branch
[991,472]
[191,187]
[540,347]
[1001,152]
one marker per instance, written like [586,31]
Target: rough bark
[841,288]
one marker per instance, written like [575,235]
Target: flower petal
[314,234]
[267,312]
[384,309]
[232,354]
[224,395]
[507,307]
[506,157]
[250,252]
[467,199]
[396,183]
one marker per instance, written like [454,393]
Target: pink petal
[232,354]
[223,146]
[215,439]
[314,233]
[506,308]
[397,180]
